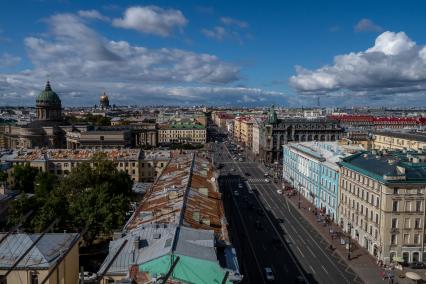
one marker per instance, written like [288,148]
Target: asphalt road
[285,242]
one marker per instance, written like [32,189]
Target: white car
[266,180]
[89,276]
[279,191]
[269,274]
[240,185]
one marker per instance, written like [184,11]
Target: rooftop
[389,167]
[78,154]
[403,135]
[185,193]
[43,255]
[327,152]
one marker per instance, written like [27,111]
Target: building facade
[47,131]
[313,170]
[398,141]
[278,132]
[182,133]
[381,203]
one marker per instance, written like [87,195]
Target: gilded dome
[48,96]
[104,98]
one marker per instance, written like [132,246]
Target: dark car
[260,212]
[247,174]
[417,265]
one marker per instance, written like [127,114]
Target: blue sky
[215,52]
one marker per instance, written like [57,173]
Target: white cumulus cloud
[152,20]
[81,63]
[92,14]
[394,65]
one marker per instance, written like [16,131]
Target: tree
[24,177]
[95,195]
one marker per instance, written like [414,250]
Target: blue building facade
[311,167]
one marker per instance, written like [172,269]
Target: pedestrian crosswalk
[256,180]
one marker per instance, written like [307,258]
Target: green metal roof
[48,96]
[379,166]
[187,269]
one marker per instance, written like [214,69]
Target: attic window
[156,236]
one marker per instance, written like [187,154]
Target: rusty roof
[185,193]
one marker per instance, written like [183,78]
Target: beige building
[399,141]
[182,133]
[246,128]
[142,166]
[382,199]
[55,257]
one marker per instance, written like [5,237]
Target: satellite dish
[213,179]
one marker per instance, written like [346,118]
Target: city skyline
[213,53]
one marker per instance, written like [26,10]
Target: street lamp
[349,240]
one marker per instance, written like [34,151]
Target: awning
[398,259]
[412,275]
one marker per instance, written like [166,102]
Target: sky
[218,53]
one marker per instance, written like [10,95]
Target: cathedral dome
[48,96]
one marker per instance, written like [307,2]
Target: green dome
[48,96]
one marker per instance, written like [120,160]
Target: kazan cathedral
[48,130]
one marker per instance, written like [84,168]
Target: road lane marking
[313,271]
[324,269]
[300,251]
[304,229]
[311,251]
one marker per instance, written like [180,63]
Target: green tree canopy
[24,177]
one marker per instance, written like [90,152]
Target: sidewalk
[361,262]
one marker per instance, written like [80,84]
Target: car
[247,174]
[240,185]
[240,159]
[232,169]
[279,191]
[236,193]
[417,265]
[88,276]
[266,180]
[260,212]
[269,275]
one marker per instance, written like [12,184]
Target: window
[406,238]
[395,191]
[394,223]
[418,205]
[395,206]
[416,238]
[407,223]
[407,206]
[34,278]
[417,223]
[393,239]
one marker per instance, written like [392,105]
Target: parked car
[269,275]
[240,185]
[88,276]
[236,193]
[417,265]
[260,212]
[279,191]
[266,180]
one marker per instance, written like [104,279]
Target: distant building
[104,101]
[387,140]
[54,256]
[142,166]
[183,133]
[280,131]
[99,139]
[47,131]
[382,199]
